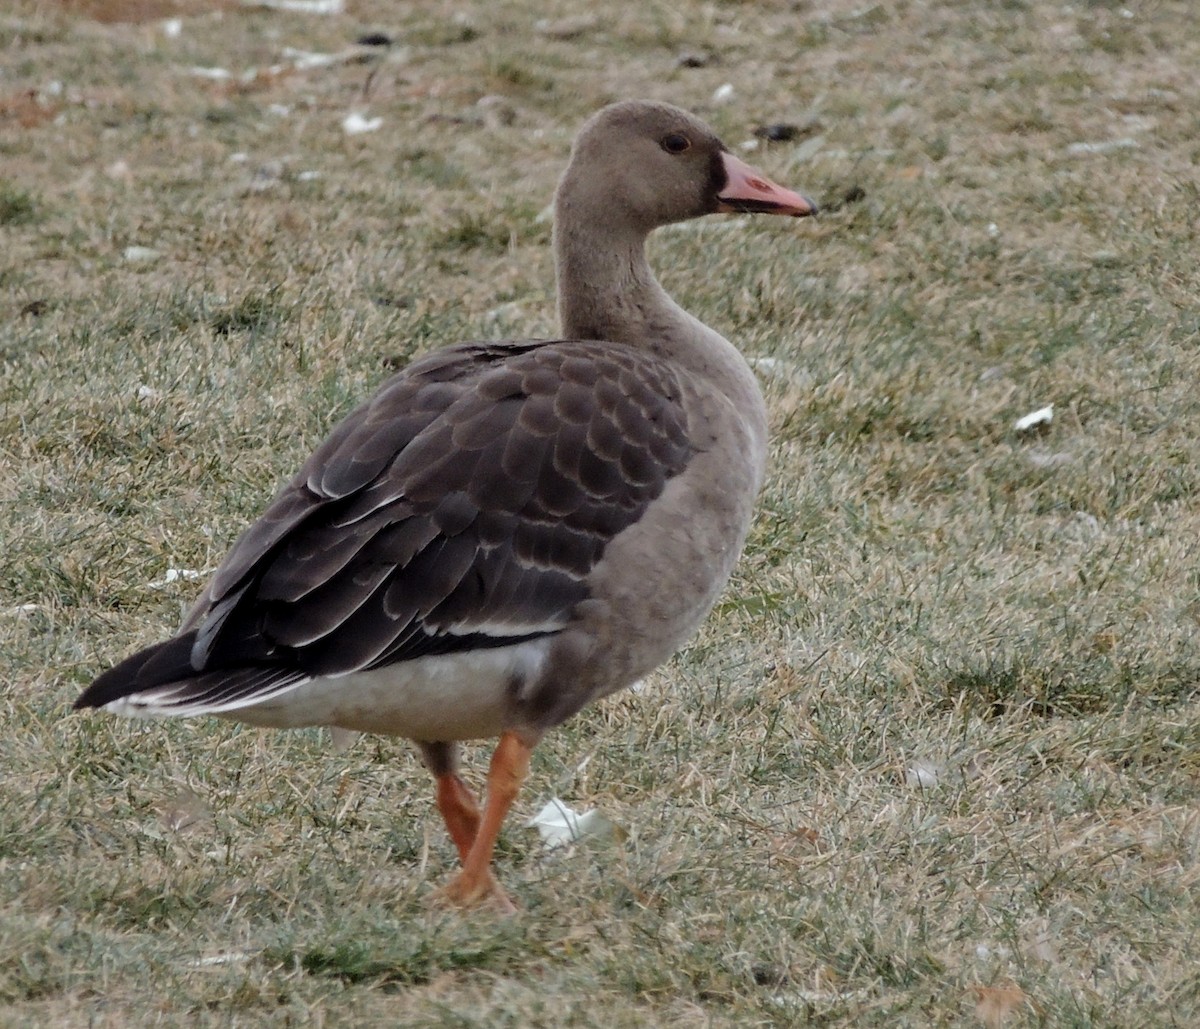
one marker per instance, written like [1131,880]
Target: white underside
[443,698]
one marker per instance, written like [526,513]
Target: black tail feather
[156,665]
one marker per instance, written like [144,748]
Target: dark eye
[675,143]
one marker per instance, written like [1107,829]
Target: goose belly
[442,698]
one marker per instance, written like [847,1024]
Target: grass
[933,760]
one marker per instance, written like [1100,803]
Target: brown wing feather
[462,506]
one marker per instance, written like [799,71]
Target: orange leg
[459,811]
[475,884]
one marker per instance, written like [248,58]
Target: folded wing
[462,507]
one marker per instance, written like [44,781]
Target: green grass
[17,207]
[933,760]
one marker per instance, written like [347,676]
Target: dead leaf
[796,846]
[995,1004]
[140,11]
[28,109]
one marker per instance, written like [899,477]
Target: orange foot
[464,891]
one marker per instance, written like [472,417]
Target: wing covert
[463,506]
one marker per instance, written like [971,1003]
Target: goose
[506,531]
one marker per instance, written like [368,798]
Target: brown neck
[606,289]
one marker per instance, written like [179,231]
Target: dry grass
[934,759]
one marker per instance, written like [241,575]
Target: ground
[932,761]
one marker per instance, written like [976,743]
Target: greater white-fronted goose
[506,531]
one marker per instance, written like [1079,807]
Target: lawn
[934,759]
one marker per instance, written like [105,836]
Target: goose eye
[675,143]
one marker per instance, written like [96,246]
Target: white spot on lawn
[141,255]
[924,773]
[356,123]
[565,28]
[559,825]
[233,957]
[1042,416]
[302,60]
[216,74]
[176,575]
[299,6]
[1107,146]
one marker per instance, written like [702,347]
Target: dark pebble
[846,197]
[778,132]
[374,39]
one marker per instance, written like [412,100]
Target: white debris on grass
[1107,146]
[302,60]
[780,371]
[172,28]
[177,574]
[817,998]
[299,6]
[559,825]
[1042,416]
[215,74]
[986,951]
[140,255]
[723,93]
[232,957]
[356,123]
[924,773]
[294,61]
[147,393]
[565,28]
[119,171]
